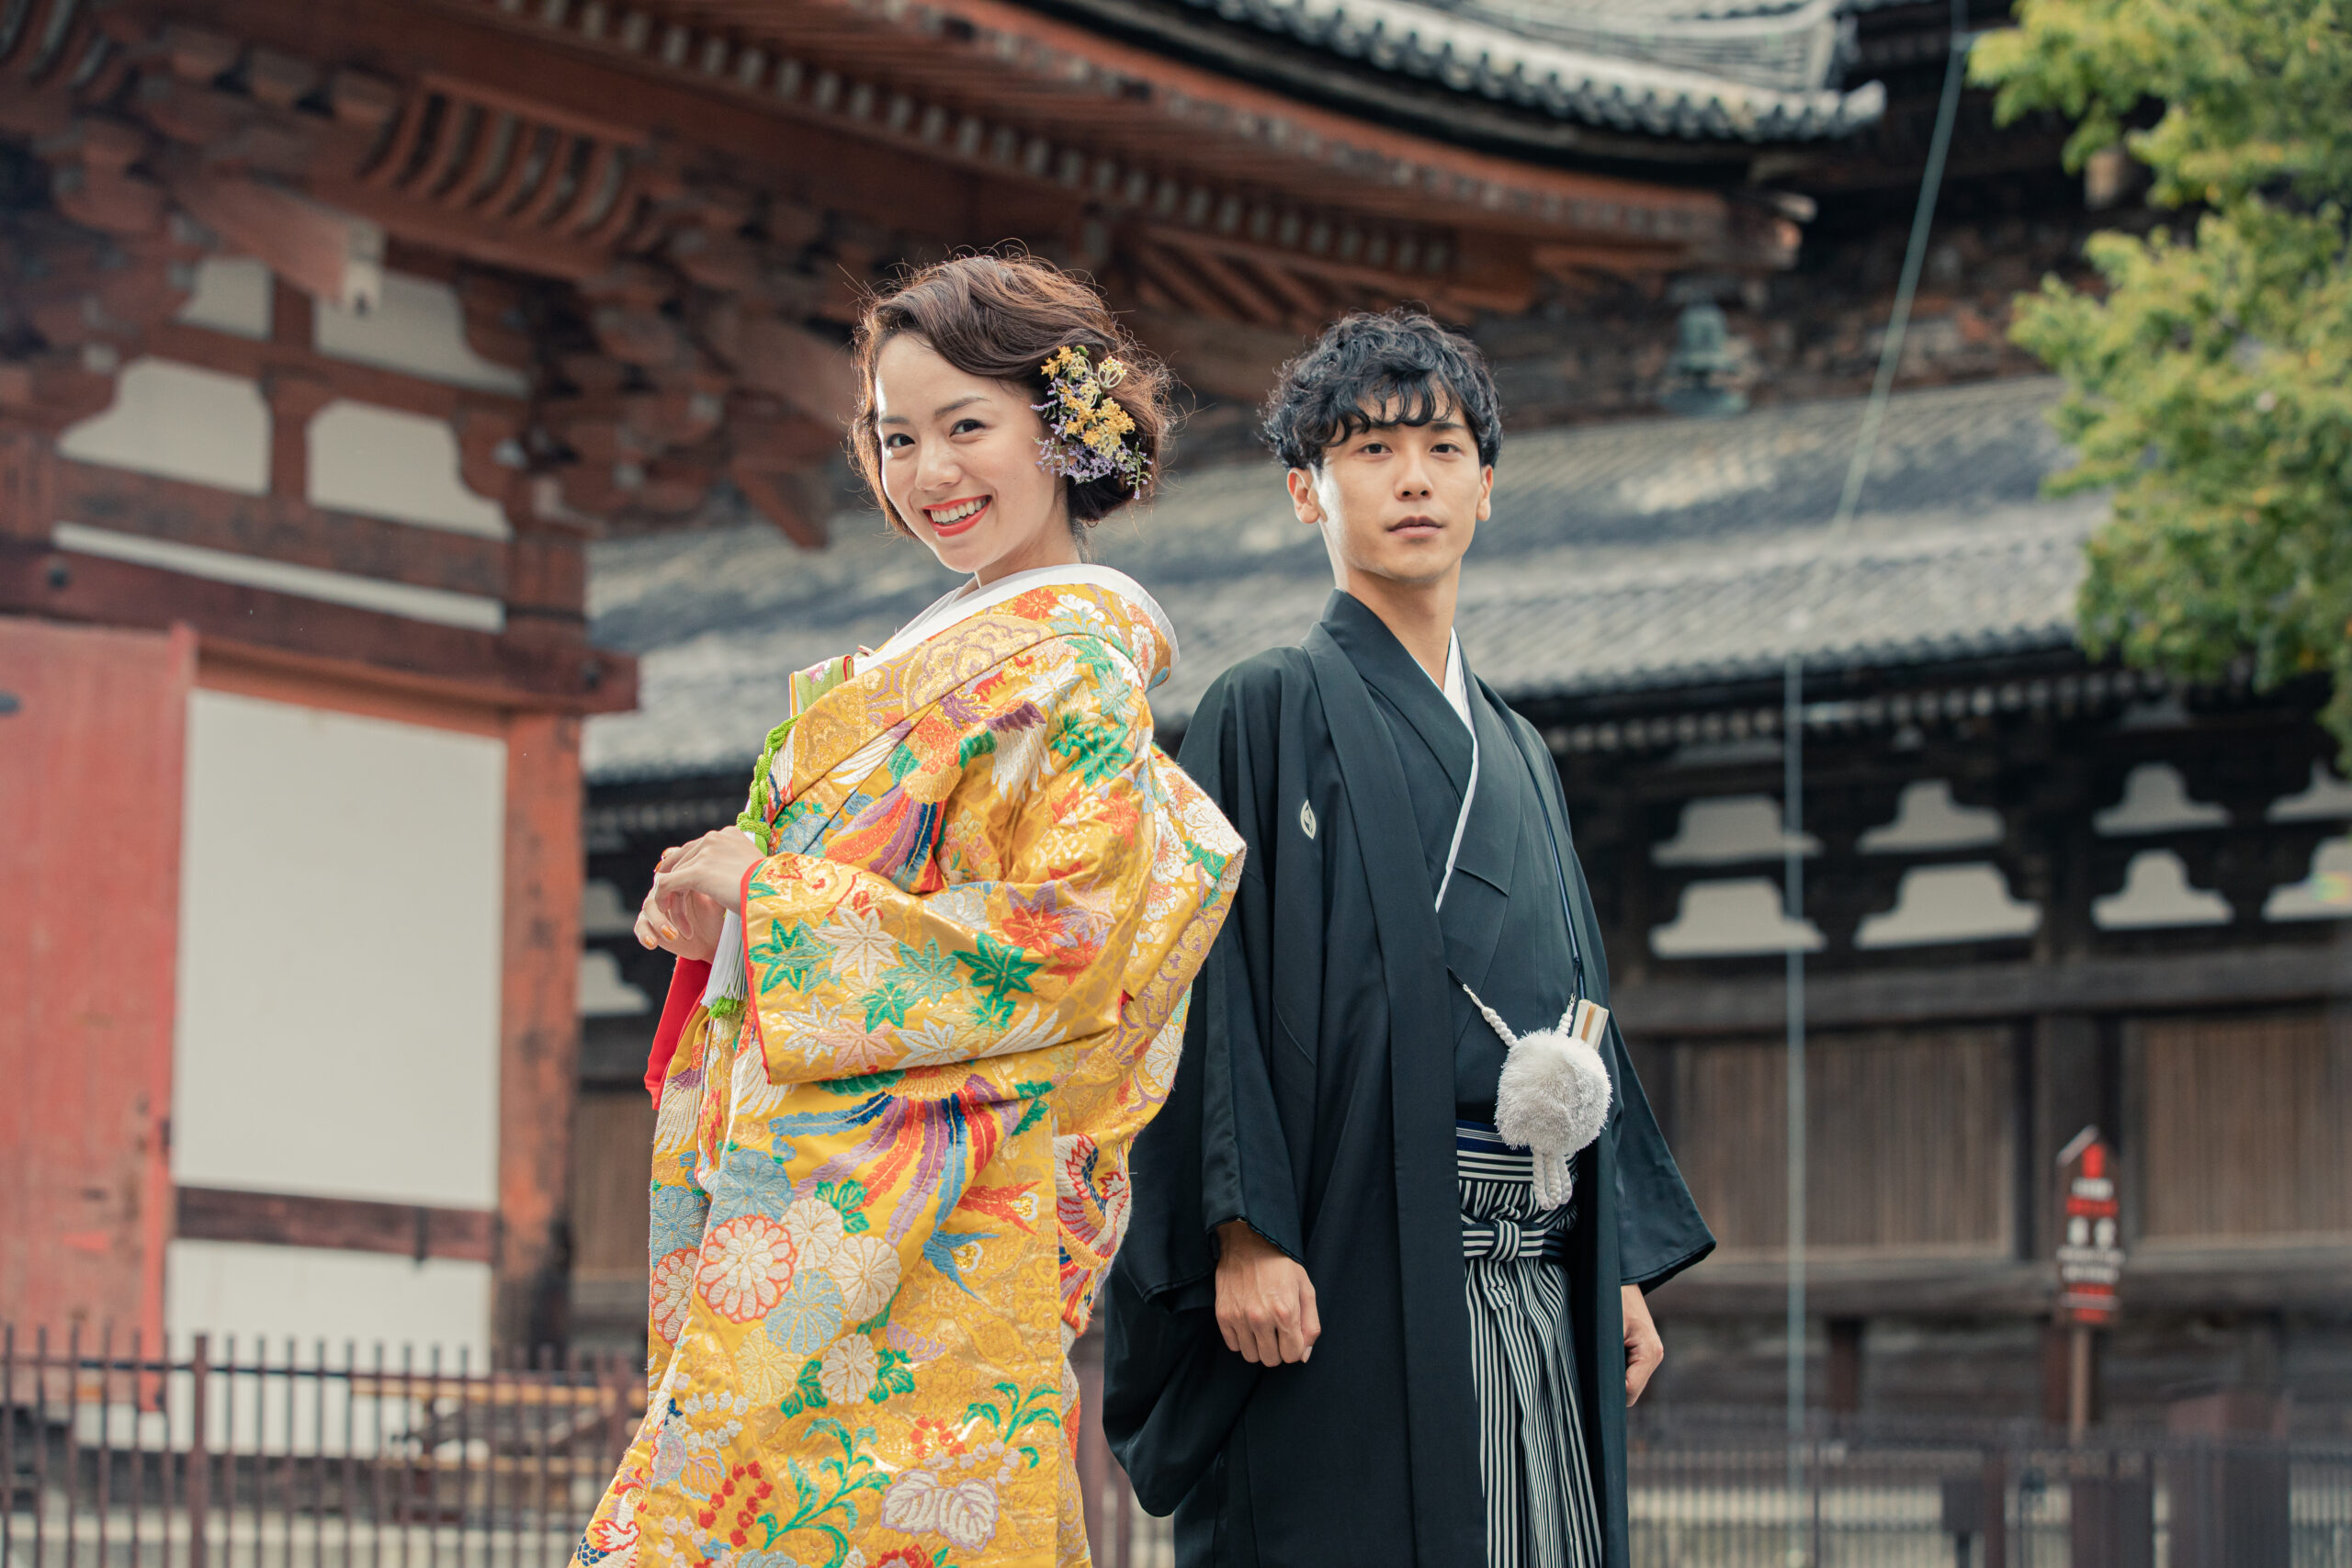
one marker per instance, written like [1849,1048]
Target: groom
[1327,1176]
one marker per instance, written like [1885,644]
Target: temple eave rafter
[658,232]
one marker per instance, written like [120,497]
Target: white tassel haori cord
[1553,1098]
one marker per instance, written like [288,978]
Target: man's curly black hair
[1399,367]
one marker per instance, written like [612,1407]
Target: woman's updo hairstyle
[1002,317]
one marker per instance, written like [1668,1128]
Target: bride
[928,989]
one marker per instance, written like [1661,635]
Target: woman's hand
[695,886]
[1645,1351]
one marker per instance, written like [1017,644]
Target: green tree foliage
[2209,378]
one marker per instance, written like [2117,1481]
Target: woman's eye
[894,441]
[965,426]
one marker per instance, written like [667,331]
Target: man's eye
[1374,447]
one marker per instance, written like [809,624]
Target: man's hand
[1265,1303]
[1645,1351]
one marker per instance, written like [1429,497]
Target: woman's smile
[953,517]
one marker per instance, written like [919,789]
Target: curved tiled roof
[1664,554]
[1757,73]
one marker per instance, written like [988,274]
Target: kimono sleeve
[1216,1151]
[851,974]
[1659,1232]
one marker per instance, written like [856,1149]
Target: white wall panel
[340,942]
[388,463]
[182,422]
[223,1287]
[417,326]
[231,295]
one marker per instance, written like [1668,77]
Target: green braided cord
[753,818]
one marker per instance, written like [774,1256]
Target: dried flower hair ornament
[1086,429]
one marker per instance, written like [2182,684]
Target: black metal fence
[116,1454]
[1728,1489]
[1722,1488]
[246,1455]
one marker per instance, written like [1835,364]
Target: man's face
[1398,501]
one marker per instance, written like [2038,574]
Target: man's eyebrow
[941,411]
[1448,422]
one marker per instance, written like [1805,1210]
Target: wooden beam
[538,1060]
[1257,306]
[2254,976]
[822,164]
[234,355]
[562,676]
[344,1225]
[281,528]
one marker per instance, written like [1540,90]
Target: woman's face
[960,464]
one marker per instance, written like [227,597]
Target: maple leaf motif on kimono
[934,1041]
[1098,748]
[887,1002]
[825,1031]
[929,975]
[1035,922]
[998,971]
[791,956]
[862,949]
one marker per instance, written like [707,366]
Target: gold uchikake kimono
[883,1194]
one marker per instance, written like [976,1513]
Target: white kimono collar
[965,601]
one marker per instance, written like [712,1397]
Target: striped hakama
[1540,1508]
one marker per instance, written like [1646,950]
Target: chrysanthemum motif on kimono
[883,1194]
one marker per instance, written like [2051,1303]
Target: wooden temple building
[332,334]
[2046,893]
[420,462]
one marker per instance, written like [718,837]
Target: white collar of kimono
[969,599]
[1456,687]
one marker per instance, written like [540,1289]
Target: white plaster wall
[1728,829]
[605,992]
[602,913]
[182,422]
[388,463]
[2157,800]
[1927,817]
[2325,895]
[1739,915]
[231,295]
[417,326]
[2324,799]
[340,943]
[306,1293]
[1949,903]
[2156,892]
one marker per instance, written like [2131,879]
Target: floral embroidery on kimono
[885,1192]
